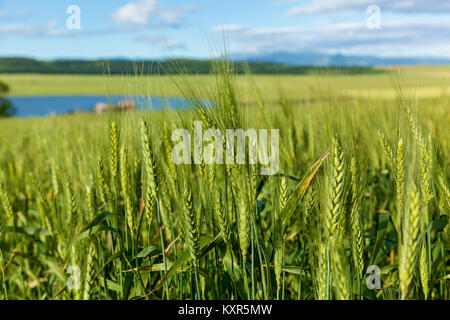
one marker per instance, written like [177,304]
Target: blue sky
[195,28]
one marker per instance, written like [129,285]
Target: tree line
[173,66]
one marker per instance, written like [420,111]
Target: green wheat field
[93,207]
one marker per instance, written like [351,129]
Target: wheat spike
[424,274]
[151,187]
[105,192]
[88,274]
[400,183]
[356,221]
[55,183]
[387,149]
[335,192]
[114,140]
[126,189]
[341,274]
[321,273]
[6,202]
[190,225]
[244,225]
[410,246]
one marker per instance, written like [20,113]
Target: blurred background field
[426,81]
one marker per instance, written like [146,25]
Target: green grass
[78,190]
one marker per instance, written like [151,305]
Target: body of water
[40,106]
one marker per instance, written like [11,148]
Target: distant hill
[174,66]
[322,59]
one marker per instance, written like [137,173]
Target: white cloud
[401,6]
[136,12]
[149,12]
[21,29]
[25,30]
[406,36]
[13,15]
